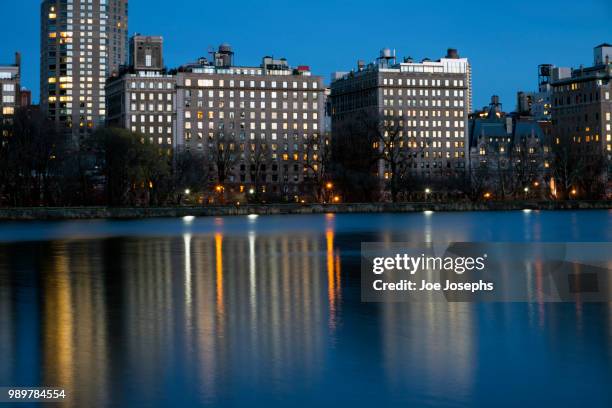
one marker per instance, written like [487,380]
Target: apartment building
[259,127]
[428,100]
[142,97]
[581,116]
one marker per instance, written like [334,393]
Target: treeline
[40,167]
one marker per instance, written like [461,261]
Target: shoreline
[97,213]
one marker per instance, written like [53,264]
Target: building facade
[10,84]
[429,100]
[82,43]
[539,104]
[581,119]
[509,154]
[259,128]
[142,97]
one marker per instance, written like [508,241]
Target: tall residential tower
[9,90]
[82,43]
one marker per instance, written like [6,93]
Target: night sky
[505,41]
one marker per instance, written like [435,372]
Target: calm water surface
[234,312]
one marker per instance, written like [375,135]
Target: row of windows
[251,94]
[152,130]
[151,96]
[151,85]
[253,126]
[254,105]
[253,136]
[151,107]
[152,118]
[208,83]
[423,92]
[423,82]
[431,134]
[424,113]
[425,103]
[427,123]
[262,115]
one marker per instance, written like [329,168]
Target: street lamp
[187,191]
[427,191]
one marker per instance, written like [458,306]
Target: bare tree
[259,160]
[190,173]
[567,166]
[317,156]
[397,153]
[223,157]
[29,158]
[354,161]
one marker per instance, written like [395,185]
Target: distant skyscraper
[82,43]
[9,90]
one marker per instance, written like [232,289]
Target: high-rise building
[82,43]
[427,101]
[259,127]
[582,118]
[142,96]
[10,77]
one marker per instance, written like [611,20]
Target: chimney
[18,59]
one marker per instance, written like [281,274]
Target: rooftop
[387,62]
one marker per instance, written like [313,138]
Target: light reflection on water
[222,311]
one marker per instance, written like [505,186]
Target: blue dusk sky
[504,40]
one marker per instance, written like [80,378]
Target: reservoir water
[266,311]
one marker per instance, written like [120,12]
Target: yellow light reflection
[219,269]
[59,323]
[331,277]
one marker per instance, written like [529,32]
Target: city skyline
[493,48]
